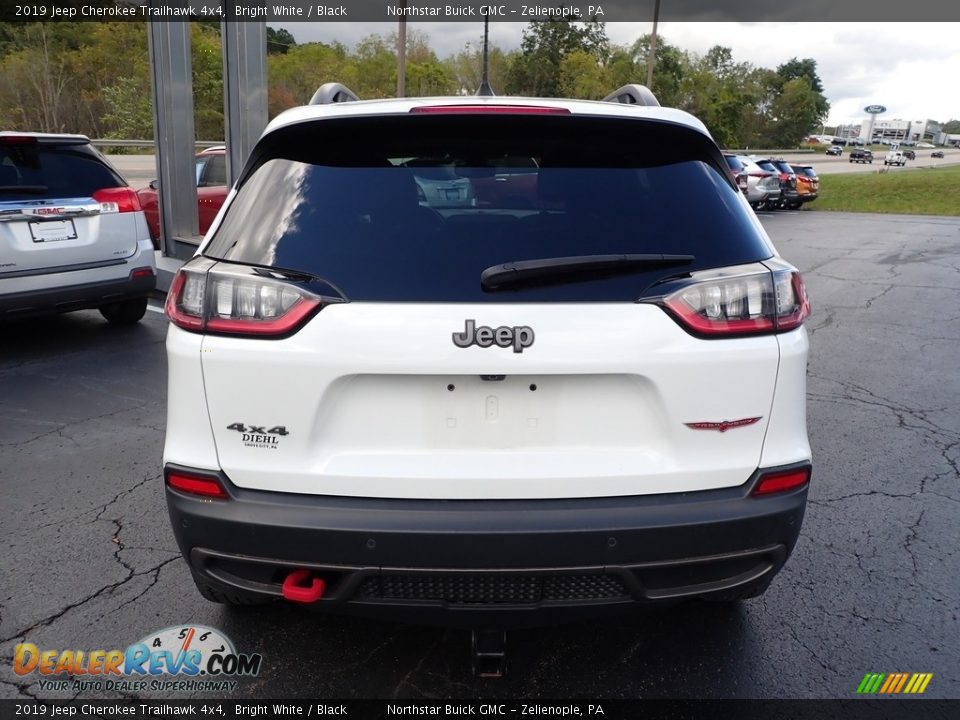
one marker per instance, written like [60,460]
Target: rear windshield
[415,208]
[733,162]
[38,171]
[805,171]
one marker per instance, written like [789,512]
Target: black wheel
[795,206]
[226,597]
[125,312]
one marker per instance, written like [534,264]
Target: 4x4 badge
[519,336]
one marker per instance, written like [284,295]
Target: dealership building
[898,130]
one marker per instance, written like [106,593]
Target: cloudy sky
[911,68]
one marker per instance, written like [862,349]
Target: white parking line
[155,309]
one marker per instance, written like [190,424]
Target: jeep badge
[519,336]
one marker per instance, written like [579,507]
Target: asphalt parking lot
[872,586]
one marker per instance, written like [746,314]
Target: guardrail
[109,142]
[779,151]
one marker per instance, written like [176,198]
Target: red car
[211,174]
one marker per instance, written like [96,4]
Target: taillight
[236,302]
[743,181]
[758,302]
[191,484]
[117,200]
[778,481]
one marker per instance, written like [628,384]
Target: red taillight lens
[236,303]
[489,109]
[782,481]
[142,272]
[117,200]
[758,302]
[184,304]
[196,484]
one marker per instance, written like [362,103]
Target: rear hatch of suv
[61,207]
[608,335]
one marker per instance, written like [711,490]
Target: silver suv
[72,234]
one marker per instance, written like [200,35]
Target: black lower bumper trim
[456,557]
[75,297]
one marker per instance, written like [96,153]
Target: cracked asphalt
[873,585]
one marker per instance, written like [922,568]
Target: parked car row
[773,183]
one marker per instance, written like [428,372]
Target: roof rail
[333,92]
[633,95]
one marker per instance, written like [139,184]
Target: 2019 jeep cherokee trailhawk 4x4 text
[574,396]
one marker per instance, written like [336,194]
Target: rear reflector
[117,200]
[196,485]
[143,272]
[782,481]
[490,109]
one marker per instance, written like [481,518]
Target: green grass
[911,192]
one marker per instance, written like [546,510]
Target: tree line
[94,78]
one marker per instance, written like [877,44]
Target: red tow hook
[299,586]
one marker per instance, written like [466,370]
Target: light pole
[485,90]
[652,57]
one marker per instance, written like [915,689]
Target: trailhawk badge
[518,336]
[724,425]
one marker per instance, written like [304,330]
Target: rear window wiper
[32,189]
[573,269]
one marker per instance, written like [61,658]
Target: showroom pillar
[244,49]
[244,89]
[169,44]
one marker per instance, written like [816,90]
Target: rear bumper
[74,297]
[502,562]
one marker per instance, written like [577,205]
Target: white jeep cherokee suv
[72,234]
[583,392]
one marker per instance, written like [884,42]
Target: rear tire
[126,312]
[226,597]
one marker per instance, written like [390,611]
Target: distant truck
[895,157]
